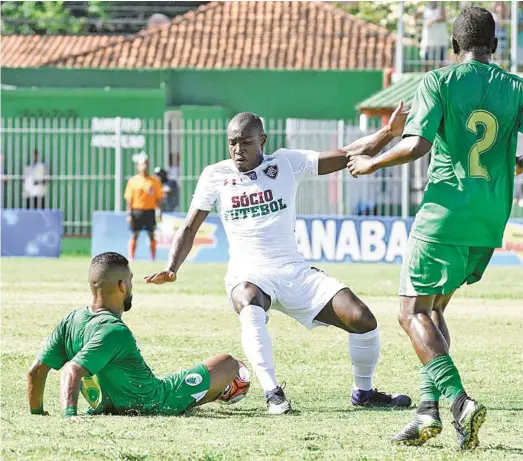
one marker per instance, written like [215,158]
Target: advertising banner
[320,239]
[31,233]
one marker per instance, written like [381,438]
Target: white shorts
[297,290]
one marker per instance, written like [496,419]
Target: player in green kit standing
[100,358]
[469,114]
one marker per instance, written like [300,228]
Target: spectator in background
[143,195]
[169,193]
[435,35]
[173,174]
[500,13]
[35,187]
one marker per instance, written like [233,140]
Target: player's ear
[121,286]
[455,46]
[263,140]
[494,45]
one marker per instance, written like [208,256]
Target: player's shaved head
[106,273]
[246,122]
[474,30]
[246,140]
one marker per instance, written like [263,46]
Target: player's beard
[128,302]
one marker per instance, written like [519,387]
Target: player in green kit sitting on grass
[100,358]
[469,114]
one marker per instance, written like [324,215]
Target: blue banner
[111,233]
[320,239]
[32,233]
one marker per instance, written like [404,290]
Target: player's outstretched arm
[36,378]
[407,150]
[70,383]
[336,160]
[181,247]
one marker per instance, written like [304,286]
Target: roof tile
[219,35]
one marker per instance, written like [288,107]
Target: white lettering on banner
[372,241]
[397,241]
[348,242]
[108,125]
[323,242]
[323,239]
[302,239]
[104,140]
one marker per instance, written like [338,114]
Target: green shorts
[185,389]
[437,268]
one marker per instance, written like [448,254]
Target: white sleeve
[303,163]
[205,195]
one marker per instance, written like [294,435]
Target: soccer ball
[238,388]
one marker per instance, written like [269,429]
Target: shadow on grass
[502,448]
[223,413]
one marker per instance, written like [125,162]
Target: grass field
[180,324]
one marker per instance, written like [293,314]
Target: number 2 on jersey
[490,124]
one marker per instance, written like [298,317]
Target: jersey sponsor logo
[271,171]
[253,205]
[251,175]
[193,379]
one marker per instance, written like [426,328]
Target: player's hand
[161,277]
[397,120]
[129,219]
[361,165]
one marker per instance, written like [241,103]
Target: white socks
[364,350]
[257,345]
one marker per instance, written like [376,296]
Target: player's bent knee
[406,312]
[364,319]
[247,294]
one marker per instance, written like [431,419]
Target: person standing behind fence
[35,187]
[435,36]
[143,194]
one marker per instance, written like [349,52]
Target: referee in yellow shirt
[143,195]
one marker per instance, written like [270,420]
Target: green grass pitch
[180,324]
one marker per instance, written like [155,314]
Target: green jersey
[471,112]
[102,344]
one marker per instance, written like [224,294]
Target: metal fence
[87,163]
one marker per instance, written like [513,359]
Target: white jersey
[258,208]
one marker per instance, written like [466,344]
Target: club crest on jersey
[271,171]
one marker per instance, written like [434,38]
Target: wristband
[70,411]
[38,411]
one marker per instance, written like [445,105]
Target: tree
[46,17]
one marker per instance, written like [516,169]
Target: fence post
[514,37]
[405,190]
[118,171]
[339,174]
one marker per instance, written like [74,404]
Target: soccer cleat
[277,403]
[375,399]
[422,428]
[468,423]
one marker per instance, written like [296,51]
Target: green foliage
[46,17]
[385,13]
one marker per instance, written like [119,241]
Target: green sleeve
[108,342]
[426,111]
[53,353]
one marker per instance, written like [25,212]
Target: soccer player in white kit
[255,195]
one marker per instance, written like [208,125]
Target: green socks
[445,377]
[429,392]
